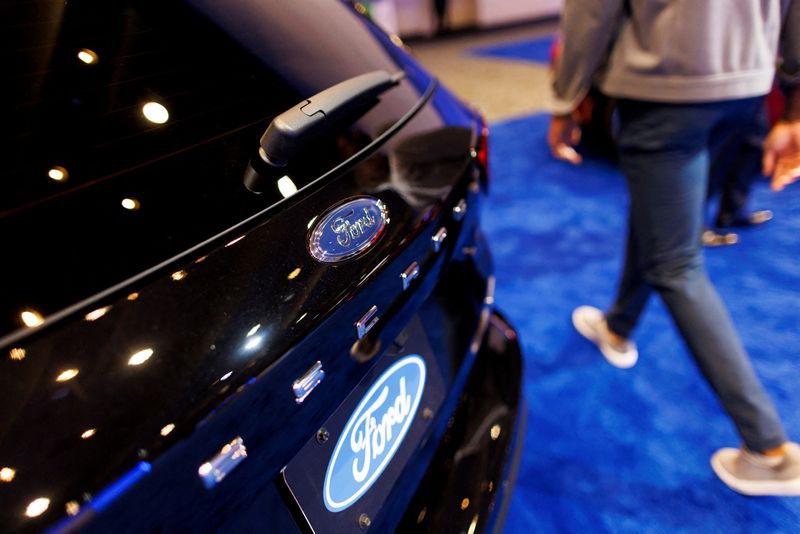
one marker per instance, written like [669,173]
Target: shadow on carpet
[611,450]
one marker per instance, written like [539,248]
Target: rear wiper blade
[292,130]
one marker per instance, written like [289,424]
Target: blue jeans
[665,154]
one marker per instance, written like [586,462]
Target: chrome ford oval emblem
[374,432]
[348,230]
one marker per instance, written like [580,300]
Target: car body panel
[172,329]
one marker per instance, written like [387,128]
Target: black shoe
[713,239]
[744,220]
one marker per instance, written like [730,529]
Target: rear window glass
[131,125]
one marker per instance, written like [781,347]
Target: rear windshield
[131,125]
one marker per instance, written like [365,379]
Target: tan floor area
[501,89]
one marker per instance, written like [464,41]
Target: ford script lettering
[348,230]
[374,433]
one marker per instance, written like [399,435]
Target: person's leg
[744,168]
[665,159]
[632,293]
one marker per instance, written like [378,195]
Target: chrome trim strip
[409,275]
[438,238]
[214,470]
[367,321]
[303,386]
[460,210]
[486,316]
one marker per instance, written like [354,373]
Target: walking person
[685,73]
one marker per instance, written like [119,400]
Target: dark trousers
[735,165]
[665,154]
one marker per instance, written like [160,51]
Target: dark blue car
[244,285]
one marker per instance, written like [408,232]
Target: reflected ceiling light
[130,204]
[68,374]
[293,274]
[167,429]
[473,525]
[178,275]
[96,314]
[89,433]
[226,376]
[396,40]
[58,174]
[254,330]
[286,186]
[235,241]
[133,296]
[205,469]
[311,222]
[7,474]
[87,56]
[17,354]
[301,318]
[254,342]
[464,504]
[495,432]
[201,259]
[37,507]
[140,357]
[31,318]
[155,112]
[72,508]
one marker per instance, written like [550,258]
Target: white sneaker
[751,473]
[591,324]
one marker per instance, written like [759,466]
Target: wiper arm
[293,129]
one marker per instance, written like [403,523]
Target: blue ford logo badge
[374,432]
[348,230]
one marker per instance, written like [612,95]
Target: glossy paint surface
[178,321]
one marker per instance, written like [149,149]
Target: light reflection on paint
[67,374]
[31,318]
[253,330]
[178,275]
[226,376]
[72,508]
[130,204]
[155,112]
[140,357]
[37,507]
[17,354]
[254,342]
[473,525]
[294,274]
[286,186]
[7,474]
[89,433]
[235,241]
[96,314]
[167,429]
[87,56]
[58,174]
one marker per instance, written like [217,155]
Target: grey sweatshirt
[675,50]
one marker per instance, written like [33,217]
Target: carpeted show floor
[610,450]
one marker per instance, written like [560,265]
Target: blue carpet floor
[610,450]
[534,50]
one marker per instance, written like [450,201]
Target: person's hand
[564,135]
[782,154]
